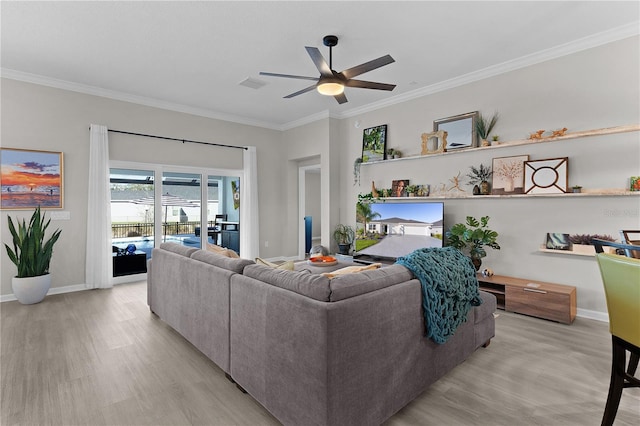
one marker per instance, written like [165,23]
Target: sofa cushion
[232,264]
[178,249]
[302,282]
[350,285]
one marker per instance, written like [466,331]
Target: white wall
[44,118]
[588,90]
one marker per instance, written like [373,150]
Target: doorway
[310,203]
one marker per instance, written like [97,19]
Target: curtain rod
[176,139]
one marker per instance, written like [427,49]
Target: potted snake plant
[32,255]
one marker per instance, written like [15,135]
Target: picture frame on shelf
[558,241]
[374,144]
[399,188]
[549,176]
[434,142]
[31,178]
[461,130]
[508,175]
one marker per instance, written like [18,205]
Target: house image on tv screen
[416,226]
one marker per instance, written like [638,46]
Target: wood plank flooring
[101,358]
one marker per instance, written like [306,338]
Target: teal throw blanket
[449,288]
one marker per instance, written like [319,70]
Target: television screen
[391,229]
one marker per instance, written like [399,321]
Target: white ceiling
[190,56]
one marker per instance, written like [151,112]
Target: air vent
[252,83]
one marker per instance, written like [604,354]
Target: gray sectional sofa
[313,351]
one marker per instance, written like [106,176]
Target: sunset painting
[30,178]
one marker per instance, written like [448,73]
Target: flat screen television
[394,228]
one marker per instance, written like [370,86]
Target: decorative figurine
[536,135]
[374,191]
[456,183]
[487,272]
[560,132]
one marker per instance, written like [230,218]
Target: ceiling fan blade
[369,85]
[341,98]
[319,61]
[367,66]
[299,77]
[300,92]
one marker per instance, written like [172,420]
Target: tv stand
[555,302]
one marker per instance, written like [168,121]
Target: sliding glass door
[180,209]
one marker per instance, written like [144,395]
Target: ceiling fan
[332,83]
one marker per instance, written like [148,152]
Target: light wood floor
[101,358]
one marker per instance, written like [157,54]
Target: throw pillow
[222,251]
[288,265]
[351,270]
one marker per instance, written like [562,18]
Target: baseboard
[594,315]
[80,287]
[53,290]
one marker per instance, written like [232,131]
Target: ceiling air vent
[252,83]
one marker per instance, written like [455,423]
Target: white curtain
[99,268]
[249,215]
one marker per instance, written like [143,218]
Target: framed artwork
[634,183]
[29,179]
[235,190]
[399,188]
[374,143]
[546,176]
[508,175]
[461,130]
[557,241]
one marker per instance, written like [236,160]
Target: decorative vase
[485,143]
[30,290]
[477,262]
[476,190]
[484,188]
[344,248]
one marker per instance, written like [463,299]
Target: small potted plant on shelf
[576,189]
[411,190]
[344,236]
[479,177]
[472,237]
[484,126]
[32,256]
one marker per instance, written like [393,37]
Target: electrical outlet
[60,215]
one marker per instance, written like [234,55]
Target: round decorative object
[30,290]
[322,261]
[476,190]
[318,251]
[487,272]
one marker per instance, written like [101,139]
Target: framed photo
[399,188]
[374,144]
[508,175]
[546,176]
[29,179]
[461,130]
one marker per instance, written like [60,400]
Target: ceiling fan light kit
[332,83]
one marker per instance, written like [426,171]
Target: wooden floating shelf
[567,136]
[587,253]
[466,195]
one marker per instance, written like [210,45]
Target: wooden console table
[550,301]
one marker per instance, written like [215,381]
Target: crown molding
[595,40]
[126,97]
[555,52]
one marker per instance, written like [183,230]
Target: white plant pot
[30,290]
